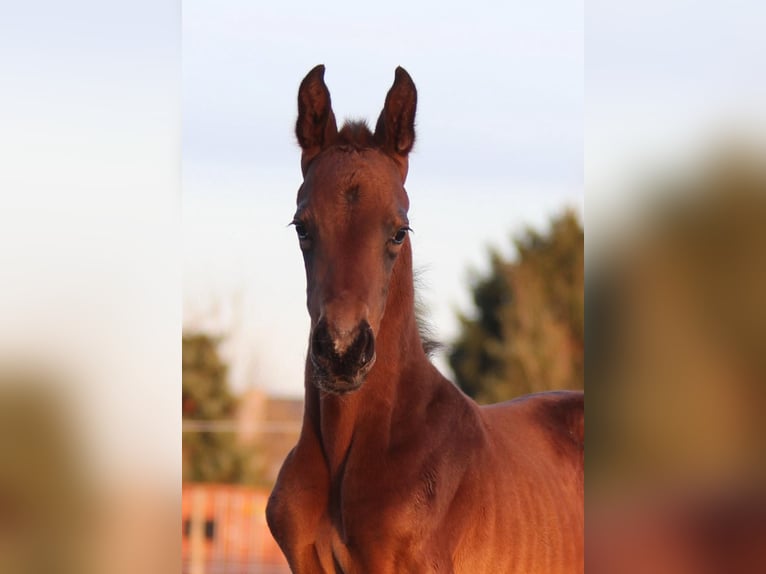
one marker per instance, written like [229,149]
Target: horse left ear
[395,130]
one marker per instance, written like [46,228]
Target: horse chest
[335,554]
[383,556]
[386,528]
[362,523]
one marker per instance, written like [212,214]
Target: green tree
[527,332]
[208,454]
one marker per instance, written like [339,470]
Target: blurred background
[117,293]
[675,171]
[90,286]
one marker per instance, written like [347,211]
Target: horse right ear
[316,127]
[395,130]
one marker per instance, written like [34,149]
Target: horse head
[352,226]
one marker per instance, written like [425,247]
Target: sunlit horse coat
[396,470]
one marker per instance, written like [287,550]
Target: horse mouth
[337,384]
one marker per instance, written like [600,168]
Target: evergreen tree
[208,456]
[527,332]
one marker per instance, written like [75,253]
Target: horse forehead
[353,175]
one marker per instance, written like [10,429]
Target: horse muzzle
[341,360]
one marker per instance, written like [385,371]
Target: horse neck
[399,350]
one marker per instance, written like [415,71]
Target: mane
[431,345]
[356,134]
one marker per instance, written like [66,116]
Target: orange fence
[225,531]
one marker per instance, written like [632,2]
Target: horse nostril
[321,341]
[368,350]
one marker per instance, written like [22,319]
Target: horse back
[555,417]
[562,415]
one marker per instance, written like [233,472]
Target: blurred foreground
[676,328]
[59,511]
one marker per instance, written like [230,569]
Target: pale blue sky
[499,146]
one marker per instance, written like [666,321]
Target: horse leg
[295,510]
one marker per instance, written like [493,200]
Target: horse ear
[395,130]
[316,127]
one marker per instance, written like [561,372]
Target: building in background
[225,530]
[224,525]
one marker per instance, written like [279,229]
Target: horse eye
[398,239]
[300,229]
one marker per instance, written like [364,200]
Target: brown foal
[396,470]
